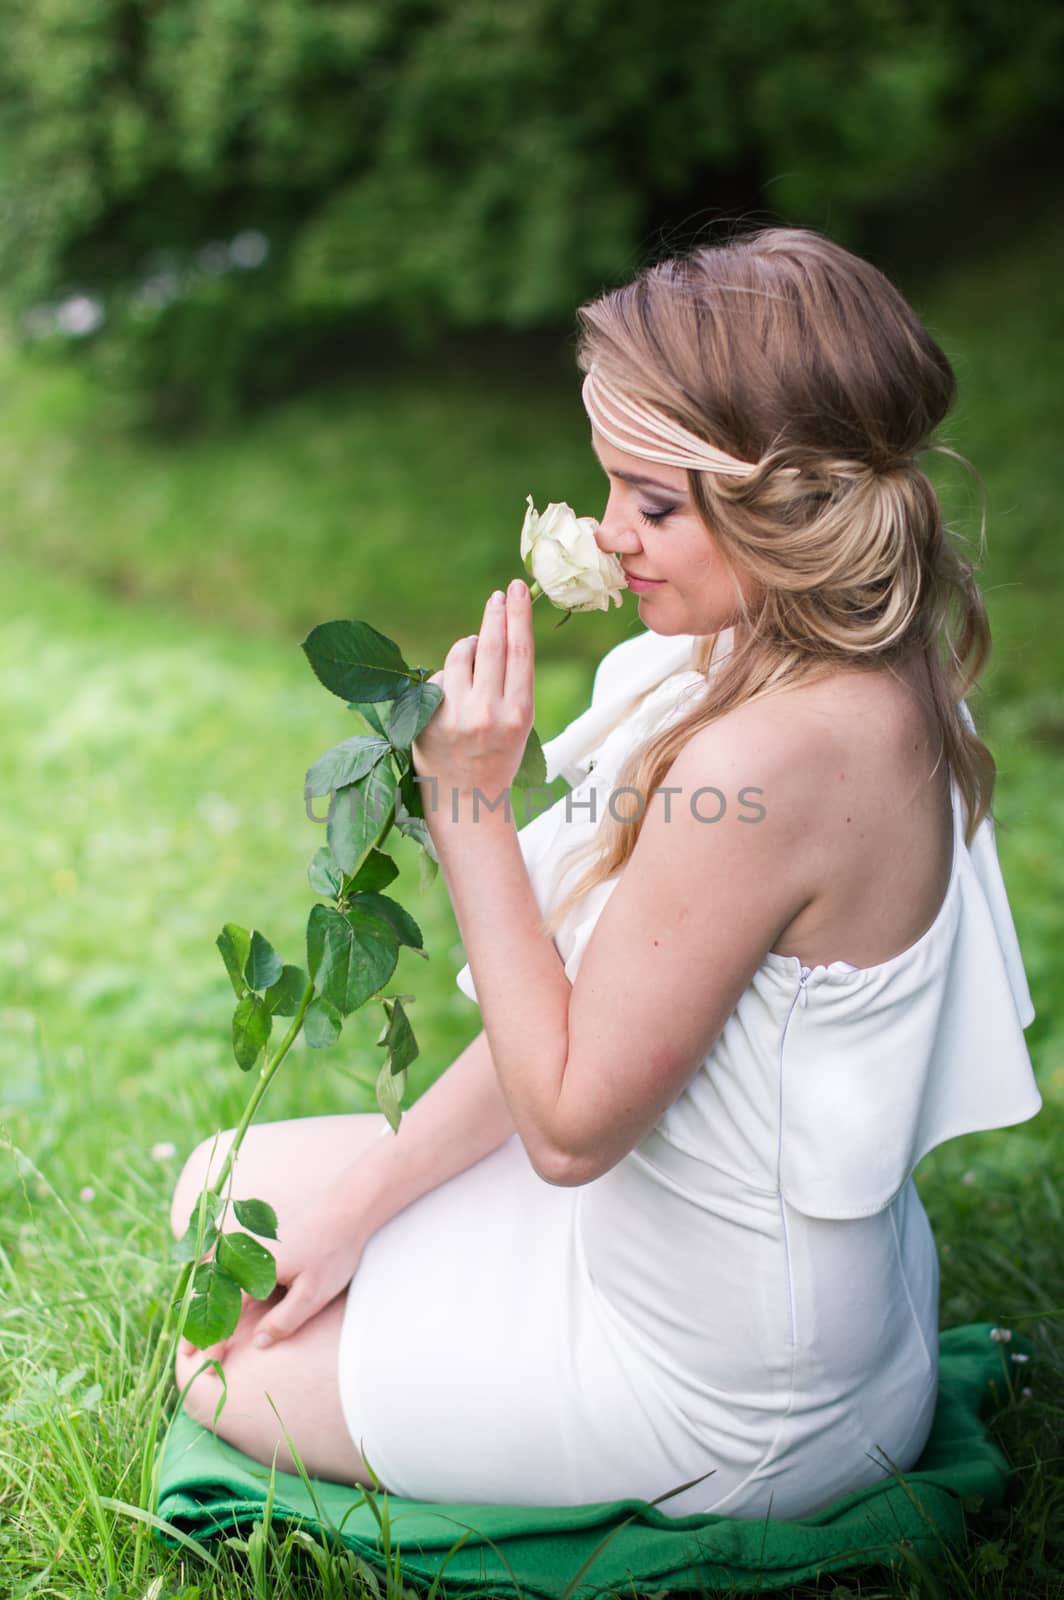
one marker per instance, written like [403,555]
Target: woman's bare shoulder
[867,713]
[813,723]
[870,811]
[849,760]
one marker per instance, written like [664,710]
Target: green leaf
[325,876]
[249,1262]
[318,922]
[385,909]
[214,1309]
[413,795]
[235,944]
[350,955]
[413,825]
[991,1557]
[369,713]
[415,707]
[533,769]
[391,1086]
[355,661]
[263,965]
[190,1247]
[322,1023]
[398,1036]
[345,763]
[369,960]
[257,1216]
[376,872]
[282,998]
[361,817]
[213,1205]
[251,1029]
[427,871]
[368,926]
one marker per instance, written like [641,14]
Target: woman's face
[653,529]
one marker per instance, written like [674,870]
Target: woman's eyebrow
[648,483]
[631,477]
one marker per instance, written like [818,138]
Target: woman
[655,1229]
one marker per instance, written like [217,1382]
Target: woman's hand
[318,1250]
[478,734]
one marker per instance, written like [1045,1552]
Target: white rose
[559,550]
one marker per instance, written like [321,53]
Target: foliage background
[428,165]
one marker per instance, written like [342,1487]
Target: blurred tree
[230,181]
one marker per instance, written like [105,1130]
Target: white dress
[750,1296]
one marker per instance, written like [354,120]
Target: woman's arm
[589,1067]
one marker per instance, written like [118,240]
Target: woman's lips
[642,584]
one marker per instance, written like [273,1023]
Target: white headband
[642,430]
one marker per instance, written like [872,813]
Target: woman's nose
[616,533]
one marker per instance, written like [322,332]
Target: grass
[159,717]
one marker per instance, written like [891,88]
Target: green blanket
[208,1488]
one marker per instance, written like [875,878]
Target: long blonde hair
[783,348]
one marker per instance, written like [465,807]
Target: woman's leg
[276,1159]
[298,1373]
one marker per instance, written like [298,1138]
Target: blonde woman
[656,1229]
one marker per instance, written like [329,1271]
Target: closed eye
[656,516]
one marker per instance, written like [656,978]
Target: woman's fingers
[457,671]
[488,680]
[500,658]
[489,666]
[300,1302]
[520,656]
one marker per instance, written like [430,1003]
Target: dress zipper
[799,999]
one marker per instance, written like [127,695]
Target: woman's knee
[278,1159]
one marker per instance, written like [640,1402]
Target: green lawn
[159,718]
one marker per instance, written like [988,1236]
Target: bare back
[880,825]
